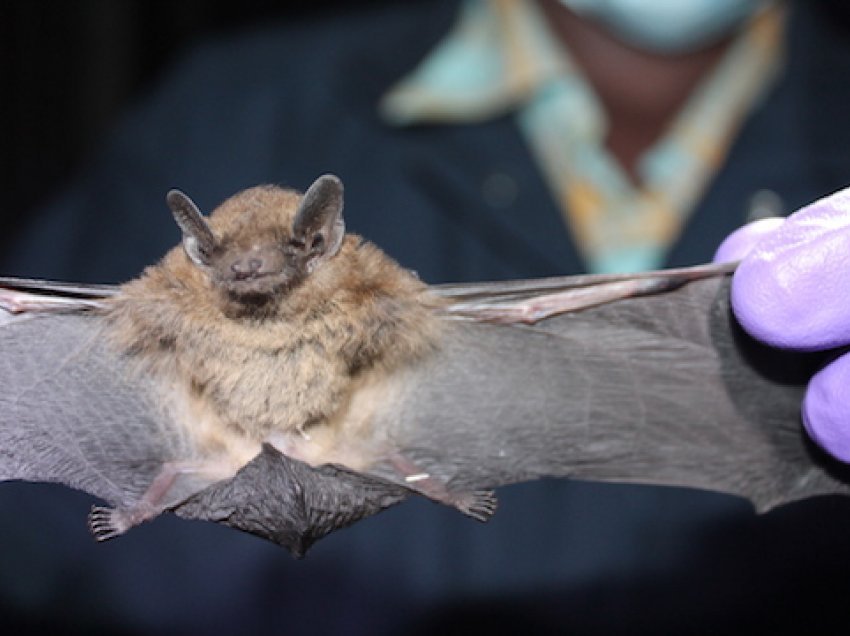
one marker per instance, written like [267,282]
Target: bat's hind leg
[478,504]
[176,482]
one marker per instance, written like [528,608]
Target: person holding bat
[787,292]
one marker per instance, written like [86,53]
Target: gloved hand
[789,291]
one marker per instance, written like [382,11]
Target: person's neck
[641,92]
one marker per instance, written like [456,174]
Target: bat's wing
[654,384]
[635,386]
[69,412]
[72,412]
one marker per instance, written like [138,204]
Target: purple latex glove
[789,291]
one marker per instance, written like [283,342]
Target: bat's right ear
[198,239]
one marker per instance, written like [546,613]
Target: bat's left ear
[318,224]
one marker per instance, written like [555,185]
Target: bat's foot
[107,523]
[478,504]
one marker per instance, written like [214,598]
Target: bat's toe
[478,504]
[106,523]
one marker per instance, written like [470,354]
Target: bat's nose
[248,266]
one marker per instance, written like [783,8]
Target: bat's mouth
[248,276]
[258,288]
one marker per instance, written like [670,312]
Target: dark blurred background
[70,68]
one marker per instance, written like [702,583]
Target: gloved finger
[826,409]
[741,242]
[792,290]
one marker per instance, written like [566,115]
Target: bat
[277,375]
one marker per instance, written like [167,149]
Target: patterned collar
[501,58]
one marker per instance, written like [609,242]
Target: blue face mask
[667,26]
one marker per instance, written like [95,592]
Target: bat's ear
[198,239]
[318,224]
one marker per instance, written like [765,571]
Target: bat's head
[265,240]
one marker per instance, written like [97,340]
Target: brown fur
[284,364]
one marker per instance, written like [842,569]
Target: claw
[478,504]
[107,523]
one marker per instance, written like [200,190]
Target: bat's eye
[297,243]
[318,242]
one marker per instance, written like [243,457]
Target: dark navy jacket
[291,102]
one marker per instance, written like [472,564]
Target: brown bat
[280,376]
